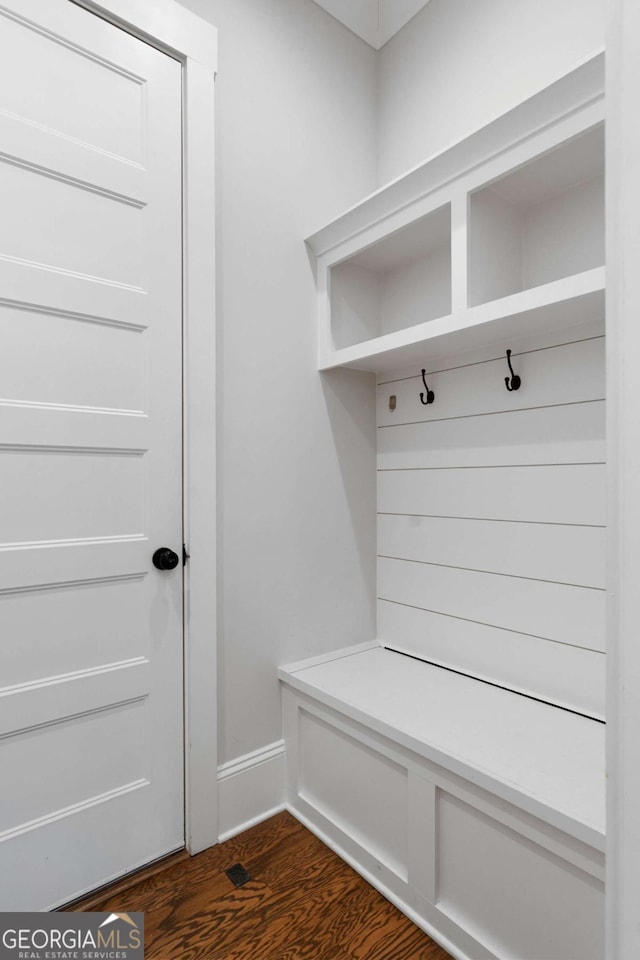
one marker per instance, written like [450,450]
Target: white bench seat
[543,759]
[422,777]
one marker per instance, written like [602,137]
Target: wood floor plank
[224,914]
[366,919]
[313,948]
[339,924]
[400,943]
[277,927]
[302,903]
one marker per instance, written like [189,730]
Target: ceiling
[375,21]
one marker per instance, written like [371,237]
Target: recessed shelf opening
[398,282]
[542,222]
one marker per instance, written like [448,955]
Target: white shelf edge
[432,333]
[573,90]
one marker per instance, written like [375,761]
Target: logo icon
[119,916]
[71,936]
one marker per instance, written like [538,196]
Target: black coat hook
[430,395]
[515,382]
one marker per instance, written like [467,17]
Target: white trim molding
[623,459]
[251,789]
[175,30]
[165,24]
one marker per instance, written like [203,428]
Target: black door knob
[165,559]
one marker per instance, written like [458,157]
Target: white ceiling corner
[394,14]
[375,21]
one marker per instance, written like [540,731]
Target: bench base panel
[479,875]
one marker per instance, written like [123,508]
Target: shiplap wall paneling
[495,439]
[536,493]
[492,521]
[556,672]
[543,552]
[565,374]
[555,611]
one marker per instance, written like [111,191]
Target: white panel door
[91,712]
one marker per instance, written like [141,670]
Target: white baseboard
[250,789]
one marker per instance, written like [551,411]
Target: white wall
[296,144]
[460,63]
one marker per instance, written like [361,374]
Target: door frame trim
[173,29]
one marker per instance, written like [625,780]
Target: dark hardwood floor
[302,903]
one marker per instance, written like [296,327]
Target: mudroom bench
[478,811]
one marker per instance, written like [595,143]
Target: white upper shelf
[525,319]
[499,236]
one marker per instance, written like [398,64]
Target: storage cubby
[396,283]
[498,239]
[542,222]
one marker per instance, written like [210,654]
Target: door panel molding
[175,30]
